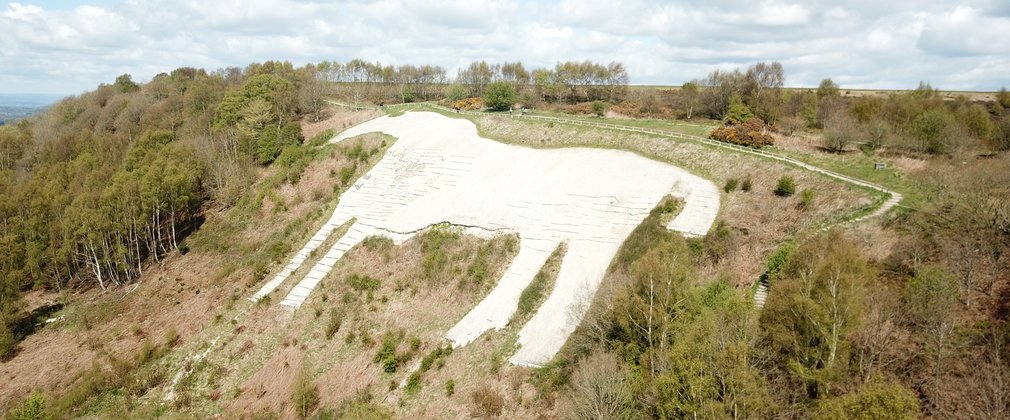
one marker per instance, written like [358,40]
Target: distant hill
[16,106]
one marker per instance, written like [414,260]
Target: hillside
[139,220]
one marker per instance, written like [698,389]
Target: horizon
[58,47]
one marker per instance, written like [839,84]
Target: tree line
[105,183]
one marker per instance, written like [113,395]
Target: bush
[469,104]
[599,108]
[304,394]
[806,199]
[361,282]
[786,186]
[875,400]
[34,408]
[730,185]
[456,92]
[486,402]
[746,186]
[183,248]
[751,133]
[500,96]
[1002,134]
[450,388]
[333,325]
[413,384]
[8,343]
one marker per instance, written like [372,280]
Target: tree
[827,89]
[599,389]
[875,400]
[812,309]
[737,112]
[500,96]
[689,97]
[840,130]
[931,298]
[931,129]
[124,84]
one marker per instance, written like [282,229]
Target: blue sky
[67,47]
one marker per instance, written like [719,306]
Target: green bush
[806,199]
[361,282]
[599,108]
[450,387]
[875,400]
[304,394]
[8,343]
[730,185]
[387,353]
[413,384]
[34,408]
[500,96]
[346,173]
[183,248]
[786,186]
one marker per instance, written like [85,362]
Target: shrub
[786,186]
[752,133]
[333,324]
[346,173]
[387,353]
[450,387]
[361,282]
[746,186]
[304,394]
[599,108]
[1002,134]
[469,104]
[455,92]
[34,408]
[730,185]
[486,402]
[806,199]
[500,96]
[875,400]
[413,383]
[8,343]
[183,248]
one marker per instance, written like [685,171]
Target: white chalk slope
[440,170]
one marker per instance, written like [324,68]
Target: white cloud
[956,44]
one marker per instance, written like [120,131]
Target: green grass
[860,165]
[675,126]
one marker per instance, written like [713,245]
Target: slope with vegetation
[137,216]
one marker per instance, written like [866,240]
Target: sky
[69,47]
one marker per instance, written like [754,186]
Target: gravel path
[440,170]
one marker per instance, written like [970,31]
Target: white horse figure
[440,170]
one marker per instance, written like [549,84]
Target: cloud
[955,44]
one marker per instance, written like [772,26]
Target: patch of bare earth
[336,118]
